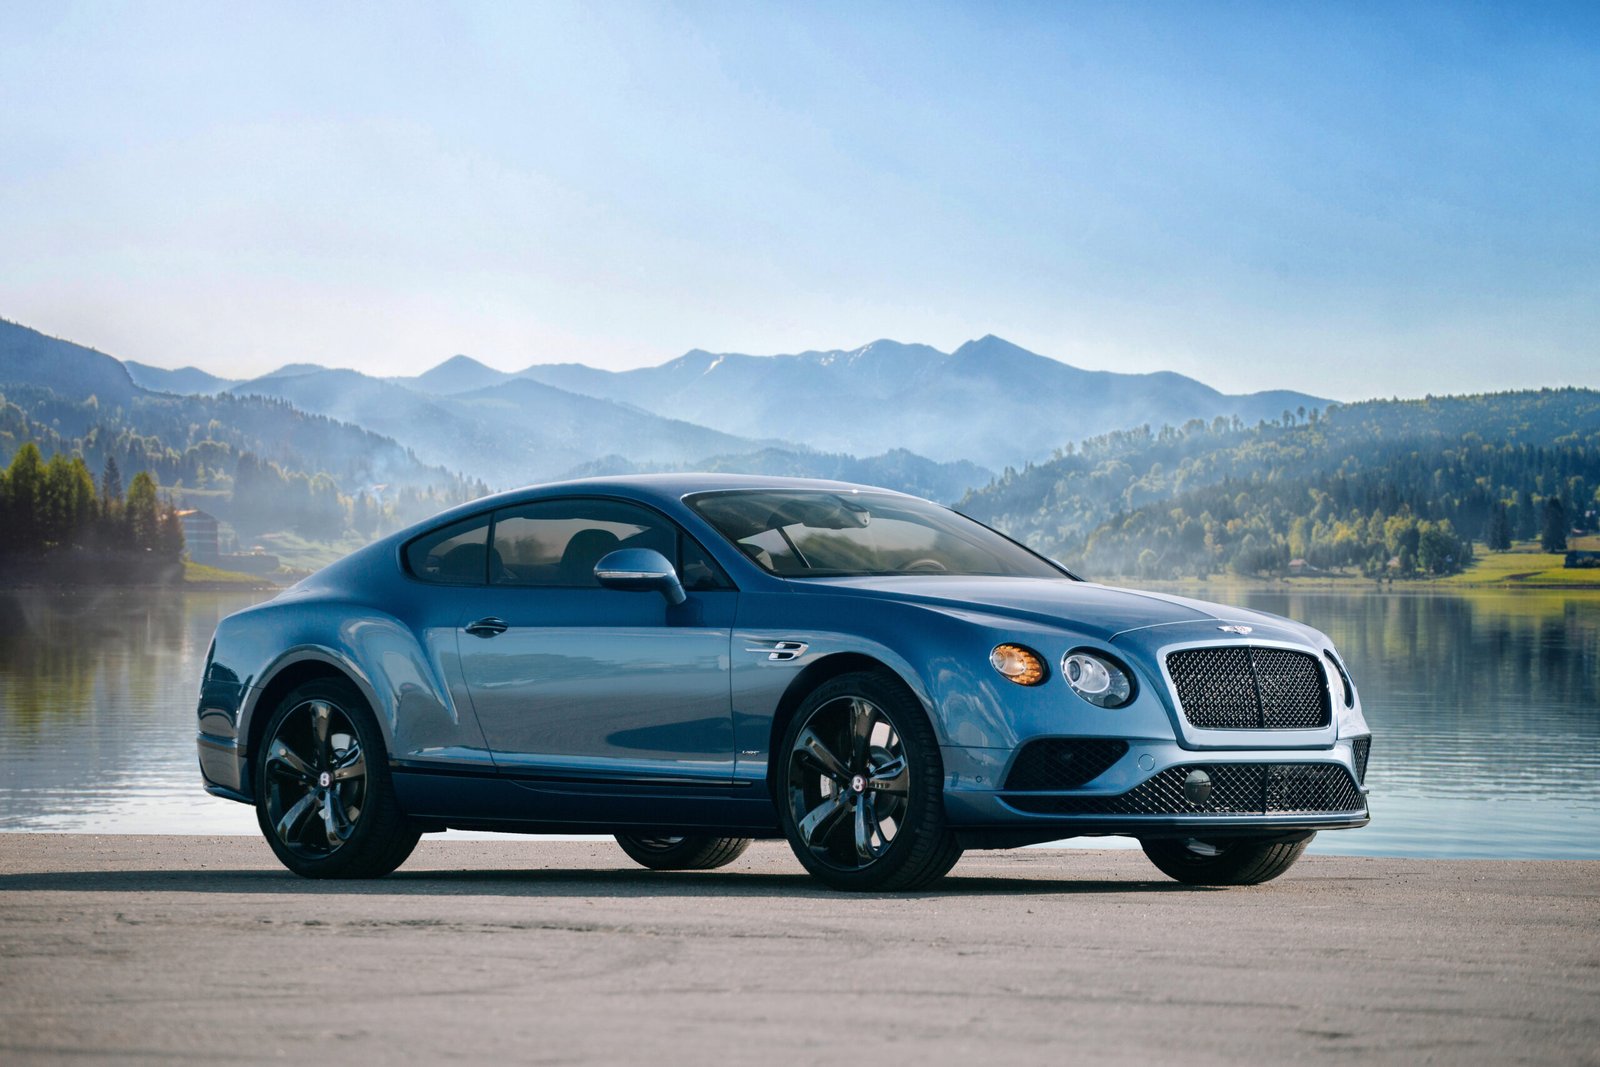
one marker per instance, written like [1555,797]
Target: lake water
[1485,708]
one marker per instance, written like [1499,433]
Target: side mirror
[639,570]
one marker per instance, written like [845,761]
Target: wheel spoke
[290,825]
[811,747]
[351,764]
[891,777]
[862,716]
[351,772]
[288,763]
[334,819]
[822,820]
[321,715]
[866,824]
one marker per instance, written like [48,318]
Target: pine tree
[1527,520]
[1498,534]
[111,482]
[1554,537]
[143,510]
[24,493]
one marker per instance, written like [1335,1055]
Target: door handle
[488,626]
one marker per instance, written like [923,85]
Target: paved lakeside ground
[198,948]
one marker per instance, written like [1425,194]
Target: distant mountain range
[989,402]
[64,395]
[942,422]
[510,434]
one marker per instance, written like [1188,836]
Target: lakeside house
[200,536]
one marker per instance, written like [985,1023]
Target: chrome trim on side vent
[781,651]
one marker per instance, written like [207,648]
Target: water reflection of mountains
[1490,695]
[82,654]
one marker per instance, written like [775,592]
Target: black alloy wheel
[323,796]
[692,852]
[860,787]
[1224,861]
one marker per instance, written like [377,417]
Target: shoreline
[1346,585]
[1186,585]
[1327,845]
[168,948]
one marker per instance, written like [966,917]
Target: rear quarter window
[457,554]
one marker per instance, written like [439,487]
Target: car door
[569,679]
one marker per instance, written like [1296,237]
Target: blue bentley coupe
[689,662]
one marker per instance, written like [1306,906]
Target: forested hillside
[53,517]
[257,464]
[1385,486]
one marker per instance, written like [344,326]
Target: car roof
[662,489]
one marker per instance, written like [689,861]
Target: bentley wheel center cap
[325,779]
[858,784]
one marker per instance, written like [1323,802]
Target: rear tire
[1237,861]
[860,787]
[324,799]
[694,852]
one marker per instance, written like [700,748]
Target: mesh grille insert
[1242,687]
[1362,747]
[1063,762]
[1236,789]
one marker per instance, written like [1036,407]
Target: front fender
[943,657]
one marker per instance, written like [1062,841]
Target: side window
[556,543]
[452,555]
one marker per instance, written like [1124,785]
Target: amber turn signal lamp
[1018,664]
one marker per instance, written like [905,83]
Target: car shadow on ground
[548,882]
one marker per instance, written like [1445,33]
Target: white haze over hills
[989,402]
[925,420]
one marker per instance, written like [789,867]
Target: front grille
[1361,747]
[1243,687]
[1063,762]
[1236,789]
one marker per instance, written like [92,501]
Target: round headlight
[1018,664]
[1347,687]
[1098,679]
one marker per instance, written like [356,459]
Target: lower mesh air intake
[1227,789]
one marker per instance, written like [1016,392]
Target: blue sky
[1349,199]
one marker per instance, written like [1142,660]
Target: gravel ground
[200,948]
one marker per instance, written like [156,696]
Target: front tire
[694,852]
[324,798]
[1227,861]
[860,787]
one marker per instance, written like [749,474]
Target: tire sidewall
[348,699]
[906,716]
[690,853]
[1243,861]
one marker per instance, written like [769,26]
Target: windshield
[807,533]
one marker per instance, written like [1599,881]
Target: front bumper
[1143,794]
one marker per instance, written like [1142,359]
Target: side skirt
[583,806]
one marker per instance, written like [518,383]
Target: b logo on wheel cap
[325,779]
[858,784]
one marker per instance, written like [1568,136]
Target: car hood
[1100,611]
